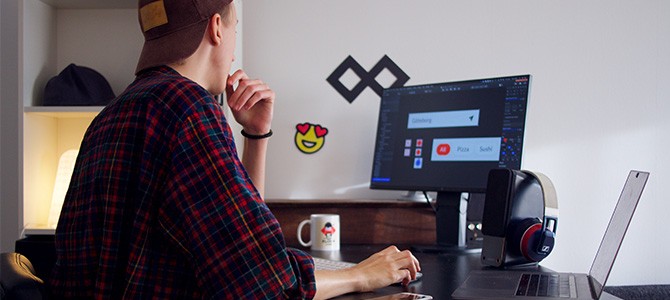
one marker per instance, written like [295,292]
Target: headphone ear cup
[531,240]
[517,231]
[536,243]
[546,243]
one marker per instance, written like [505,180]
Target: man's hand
[251,102]
[383,268]
[387,267]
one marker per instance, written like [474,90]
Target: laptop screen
[623,213]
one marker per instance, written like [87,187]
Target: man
[160,206]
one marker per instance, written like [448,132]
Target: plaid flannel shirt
[160,207]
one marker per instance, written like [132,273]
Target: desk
[366,222]
[442,273]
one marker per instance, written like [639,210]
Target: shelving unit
[99,34]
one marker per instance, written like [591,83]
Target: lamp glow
[63,176]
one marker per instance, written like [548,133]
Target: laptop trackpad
[487,284]
[491,280]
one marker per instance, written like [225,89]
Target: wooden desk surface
[362,221]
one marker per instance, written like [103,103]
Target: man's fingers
[407,276]
[233,79]
[406,262]
[248,93]
[254,93]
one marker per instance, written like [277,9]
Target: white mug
[324,232]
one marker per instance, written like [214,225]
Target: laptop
[535,284]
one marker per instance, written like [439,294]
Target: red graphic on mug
[329,238]
[328,229]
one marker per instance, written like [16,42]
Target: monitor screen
[447,136]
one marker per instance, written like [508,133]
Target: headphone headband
[548,193]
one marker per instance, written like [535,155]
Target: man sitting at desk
[160,206]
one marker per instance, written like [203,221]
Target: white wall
[597,109]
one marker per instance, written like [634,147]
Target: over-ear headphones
[531,238]
[520,218]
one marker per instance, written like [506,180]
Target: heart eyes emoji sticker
[309,138]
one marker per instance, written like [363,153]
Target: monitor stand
[450,222]
[414,196]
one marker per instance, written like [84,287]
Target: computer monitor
[445,137]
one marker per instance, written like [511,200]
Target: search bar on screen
[442,119]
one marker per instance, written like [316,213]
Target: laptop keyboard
[545,285]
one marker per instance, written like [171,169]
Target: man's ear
[214,33]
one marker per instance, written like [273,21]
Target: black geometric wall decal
[367,78]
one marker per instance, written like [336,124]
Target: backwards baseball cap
[173,29]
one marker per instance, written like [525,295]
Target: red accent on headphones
[529,240]
[532,239]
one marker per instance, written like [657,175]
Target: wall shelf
[38,230]
[91,4]
[64,111]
